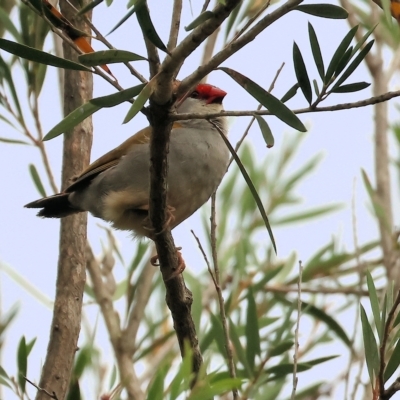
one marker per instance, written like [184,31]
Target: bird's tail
[56,206]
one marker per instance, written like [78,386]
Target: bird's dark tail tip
[56,206]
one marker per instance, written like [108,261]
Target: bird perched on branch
[116,186]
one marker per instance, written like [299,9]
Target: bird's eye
[194,94]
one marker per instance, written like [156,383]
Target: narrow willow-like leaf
[156,389]
[147,27]
[337,56]
[199,20]
[306,215]
[355,63]
[351,87]
[363,39]
[253,348]
[240,353]
[344,61]
[87,109]
[13,141]
[220,387]
[290,93]
[328,320]
[281,348]
[373,298]
[266,131]
[370,347]
[386,5]
[232,18]
[323,10]
[6,74]
[29,53]
[8,25]
[124,19]
[89,6]
[139,103]
[301,73]
[108,57]
[72,119]
[316,51]
[275,106]
[22,362]
[113,100]
[253,190]
[36,180]
[316,89]
[393,363]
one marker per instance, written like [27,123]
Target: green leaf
[139,103]
[114,99]
[315,212]
[13,141]
[6,73]
[87,109]
[316,90]
[234,337]
[301,73]
[146,25]
[108,57]
[7,24]
[156,390]
[72,119]
[22,362]
[356,62]
[252,189]
[202,392]
[373,298]
[89,7]
[231,19]
[36,180]
[363,39]
[351,87]
[182,379]
[323,10]
[344,61]
[321,315]
[386,5]
[275,106]
[337,56]
[290,93]
[266,131]
[253,348]
[199,20]
[316,51]
[370,347]
[29,53]
[287,368]
[124,19]
[280,348]
[393,363]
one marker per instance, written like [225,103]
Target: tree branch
[71,274]
[235,46]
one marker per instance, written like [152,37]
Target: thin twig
[175,24]
[228,348]
[338,107]
[317,290]
[205,257]
[51,395]
[250,21]
[296,333]
[229,50]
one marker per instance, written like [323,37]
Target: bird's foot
[181,263]
[167,224]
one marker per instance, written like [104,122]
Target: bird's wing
[110,159]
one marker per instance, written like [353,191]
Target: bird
[116,187]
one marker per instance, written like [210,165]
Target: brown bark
[65,327]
